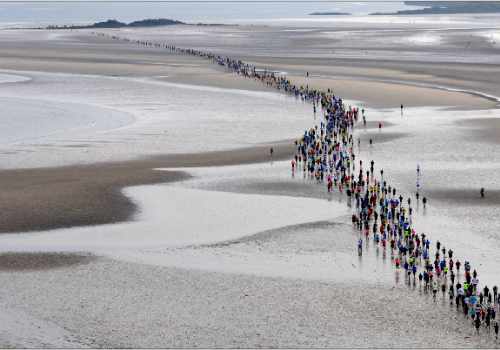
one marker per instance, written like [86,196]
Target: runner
[434,289]
[451,293]
[477,323]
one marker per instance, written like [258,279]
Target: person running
[495,327]
[434,289]
[451,293]
[459,296]
[477,323]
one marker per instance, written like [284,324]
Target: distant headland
[113,23]
[447,7]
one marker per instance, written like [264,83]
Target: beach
[142,207]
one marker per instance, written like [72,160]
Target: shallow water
[166,221]
[66,119]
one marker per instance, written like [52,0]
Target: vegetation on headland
[447,7]
[113,23]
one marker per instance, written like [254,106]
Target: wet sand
[380,137]
[373,125]
[378,94]
[41,261]
[482,129]
[49,198]
[190,308]
[395,82]
[464,197]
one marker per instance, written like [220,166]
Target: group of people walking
[326,154]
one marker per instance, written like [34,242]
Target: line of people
[326,154]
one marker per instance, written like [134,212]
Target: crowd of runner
[326,154]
